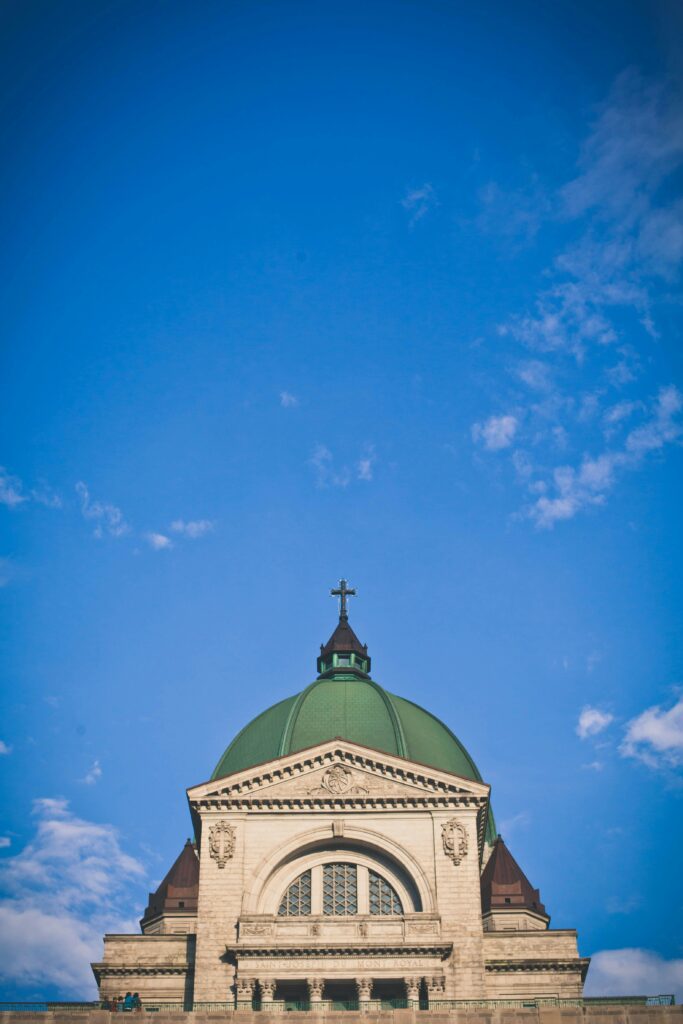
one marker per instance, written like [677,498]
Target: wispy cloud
[590,329]
[514,823]
[365,465]
[5,842]
[496,432]
[192,528]
[11,490]
[655,737]
[62,891]
[617,972]
[93,774]
[108,519]
[592,721]
[159,541]
[572,489]
[5,748]
[326,474]
[288,400]
[419,201]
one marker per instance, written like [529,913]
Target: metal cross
[342,592]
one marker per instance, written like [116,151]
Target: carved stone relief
[454,836]
[221,842]
[338,781]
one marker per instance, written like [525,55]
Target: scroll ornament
[454,836]
[221,842]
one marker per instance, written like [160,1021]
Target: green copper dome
[345,702]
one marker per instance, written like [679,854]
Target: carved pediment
[337,774]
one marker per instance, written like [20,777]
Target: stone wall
[613,1013]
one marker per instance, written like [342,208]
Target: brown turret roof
[344,639]
[504,886]
[180,888]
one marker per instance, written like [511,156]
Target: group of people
[126,1004]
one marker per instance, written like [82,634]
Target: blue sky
[293,291]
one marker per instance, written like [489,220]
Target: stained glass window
[340,889]
[383,897]
[296,902]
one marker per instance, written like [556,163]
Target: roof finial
[342,592]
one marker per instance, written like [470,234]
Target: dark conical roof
[344,639]
[504,886]
[180,888]
[344,642]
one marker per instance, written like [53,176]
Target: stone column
[245,989]
[267,990]
[315,989]
[364,988]
[412,988]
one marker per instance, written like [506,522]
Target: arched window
[383,897]
[340,889]
[296,902]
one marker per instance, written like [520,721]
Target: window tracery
[340,889]
[296,901]
[383,897]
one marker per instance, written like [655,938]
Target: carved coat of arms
[454,836]
[221,842]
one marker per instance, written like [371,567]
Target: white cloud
[419,201]
[288,400]
[158,541]
[365,465]
[5,842]
[93,774]
[576,489]
[66,887]
[11,490]
[193,528]
[592,721]
[496,432]
[107,517]
[327,475]
[655,737]
[4,748]
[601,288]
[621,972]
[514,823]
[535,374]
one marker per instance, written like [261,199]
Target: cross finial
[342,592]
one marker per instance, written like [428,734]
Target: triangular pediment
[338,773]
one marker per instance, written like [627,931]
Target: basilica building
[345,856]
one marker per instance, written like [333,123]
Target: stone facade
[416,834]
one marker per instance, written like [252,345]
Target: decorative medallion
[454,836]
[221,842]
[338,781]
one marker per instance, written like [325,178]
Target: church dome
[345,702]
[355,709]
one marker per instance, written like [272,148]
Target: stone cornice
[106,970]
[405,949]
[536,965]
[248,786]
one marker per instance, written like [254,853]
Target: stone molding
[406,949]
[561,966]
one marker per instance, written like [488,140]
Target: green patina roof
[357,709]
